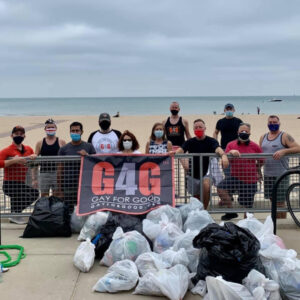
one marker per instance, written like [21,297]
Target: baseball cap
[229,105]
[18,128]
[104,117]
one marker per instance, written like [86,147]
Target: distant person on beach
[117,115]
[15,170]
[258,110]
[176,127]
[48,146]
[244,172]
[158,142]
[68,171]
[201,143]
[128,143]
[279,144]
[106,139]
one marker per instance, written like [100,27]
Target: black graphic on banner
[129,184]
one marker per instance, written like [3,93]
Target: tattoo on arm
[290,138]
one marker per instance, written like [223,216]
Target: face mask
[273,127]
[229,113]
[174,112]
[75,137]
[199,133]
[244,136]
[18,139]
[50,132]
[104,125]
[127,145]
[158,133]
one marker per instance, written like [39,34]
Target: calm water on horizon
[146,105]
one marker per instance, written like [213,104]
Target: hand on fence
[235,153]
[225,161]
[278,154]
[82,152]
[18,160]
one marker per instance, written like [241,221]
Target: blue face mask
[229,113]
[158,133]
[273,127]
[75,137]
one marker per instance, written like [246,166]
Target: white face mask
[127,145]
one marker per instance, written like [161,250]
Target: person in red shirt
[244,172]
[13,160]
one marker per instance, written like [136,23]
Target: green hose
[8,263]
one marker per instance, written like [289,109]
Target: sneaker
[229,216]
[18,220]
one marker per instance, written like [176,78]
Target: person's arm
[261,140]
[223,155]
[147,148]
[290,144]
[215,134]
[38,147]
[186,129]
[61,142]
[14,161]
[169,146]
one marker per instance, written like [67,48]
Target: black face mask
[243,136]
[104,125]
[174,112]
[18,139]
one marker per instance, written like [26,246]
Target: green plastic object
[8,262]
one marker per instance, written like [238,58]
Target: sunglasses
[127,140]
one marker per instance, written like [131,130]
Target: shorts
[193,185]
[47,181]
[246,191]
[281,191]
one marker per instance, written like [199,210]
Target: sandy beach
[139,125]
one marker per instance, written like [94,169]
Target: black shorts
[246,191]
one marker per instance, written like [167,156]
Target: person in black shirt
[176,127]
[228,126]
[201,144]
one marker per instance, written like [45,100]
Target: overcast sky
[98,48]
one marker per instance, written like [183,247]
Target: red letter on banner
[150,185]
[102,185]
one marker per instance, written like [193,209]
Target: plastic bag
[251,223]
[185,209]
[220,289]
[150,262]
[172,283]
[172,213]
[77,222]
[163,234]
[92,226]
[84,256]
[128,245]
[215,171]
[197,220]
[175,257]
[186,241]
[50,218]
[200,288]
[121,276]
[229,251]
[261,287]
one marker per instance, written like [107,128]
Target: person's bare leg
[206,192]
[225,197]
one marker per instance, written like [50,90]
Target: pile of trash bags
[172,250]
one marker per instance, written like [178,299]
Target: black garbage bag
[229,251]
[50,218]
[127,222]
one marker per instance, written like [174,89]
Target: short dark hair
[76,124]
[245,124]
[273,117]
[199,120]
[152,136]
[135,143]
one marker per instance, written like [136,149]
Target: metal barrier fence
[250,188]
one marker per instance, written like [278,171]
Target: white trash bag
[261,287]
[121,276]
[175,257]
[185,209]
[163,234]
[172,213]
[186,241]
[150,262]
[128,245]
[84,256]
[197,220]
[220,289]
[172,283]
[200,288]
[251,223]
[77,222]
[92,225]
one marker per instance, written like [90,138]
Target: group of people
[170,136]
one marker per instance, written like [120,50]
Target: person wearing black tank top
[48,146]
[176,127]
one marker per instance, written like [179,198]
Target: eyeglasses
[127,140]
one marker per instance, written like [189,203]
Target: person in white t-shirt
[106,139]
[128,143]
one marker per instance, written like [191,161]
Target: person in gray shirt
[68,172]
